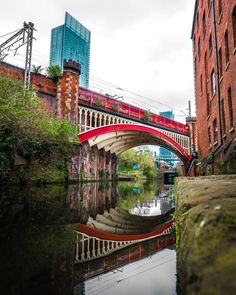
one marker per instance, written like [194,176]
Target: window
[220,63]
[215,134]
[201,83]
[226,47]
[210,43]
[213,82]
[204,23]
[234,25]
[197,20]
[220,7]
[199,48]
[230,104]
[209,136]
[206,67]
[223,117]
[208,105]
[194,43]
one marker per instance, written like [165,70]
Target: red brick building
[214,54]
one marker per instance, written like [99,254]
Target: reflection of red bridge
[119,259]
[93,243]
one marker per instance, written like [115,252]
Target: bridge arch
[120,137]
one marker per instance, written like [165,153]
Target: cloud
[143,45]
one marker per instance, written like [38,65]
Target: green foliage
[145,160]
[27,129]
[128,197]
[115,106]
[147,116]
[99,102]
[37,69]
[54,71]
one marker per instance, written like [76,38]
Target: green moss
[48,173]
[206,235]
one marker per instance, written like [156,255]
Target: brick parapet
[59,96]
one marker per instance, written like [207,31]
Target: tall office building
[164,154]
[71,41]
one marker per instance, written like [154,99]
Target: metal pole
[28,58]
[189,108]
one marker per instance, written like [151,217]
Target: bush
[27,129]
[54,71]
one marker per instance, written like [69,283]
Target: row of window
[219,4]
[210,43]
[223,120]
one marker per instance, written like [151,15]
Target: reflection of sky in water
[156,206]
[150,208]
[153,275]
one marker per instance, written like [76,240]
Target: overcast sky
[142,46]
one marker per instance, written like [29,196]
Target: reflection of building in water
[166,205]
[165,190]
[160,204]
[148,208]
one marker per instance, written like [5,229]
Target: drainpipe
[217,69]
[217,80]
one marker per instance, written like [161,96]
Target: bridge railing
[92,244]
[107,103]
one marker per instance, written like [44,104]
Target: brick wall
[45,87]
[59,96]
[204,55]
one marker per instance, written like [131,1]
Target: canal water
[37,241]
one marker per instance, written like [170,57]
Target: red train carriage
[105,102]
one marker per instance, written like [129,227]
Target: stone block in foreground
[206,235]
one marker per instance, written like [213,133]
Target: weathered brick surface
[59,96]
[205,118]
[45,87]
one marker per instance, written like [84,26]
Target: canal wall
[84,163]
[60,98]
[206,234]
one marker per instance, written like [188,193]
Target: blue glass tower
[164,154]
[71,41]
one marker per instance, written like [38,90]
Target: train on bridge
[109,104]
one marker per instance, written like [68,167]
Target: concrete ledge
[206,234]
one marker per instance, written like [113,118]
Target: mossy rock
[206,235]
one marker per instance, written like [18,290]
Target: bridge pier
[91,164]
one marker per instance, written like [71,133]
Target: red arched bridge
[117,126]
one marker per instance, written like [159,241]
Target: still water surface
[37,231]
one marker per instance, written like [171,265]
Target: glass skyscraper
[71,41]
[164,154]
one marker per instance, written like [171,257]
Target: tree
[54,71]
[37,69]
[27,128]
[145,160]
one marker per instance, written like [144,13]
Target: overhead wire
[127,267]
[129,277]
[10,33]
[101,84]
